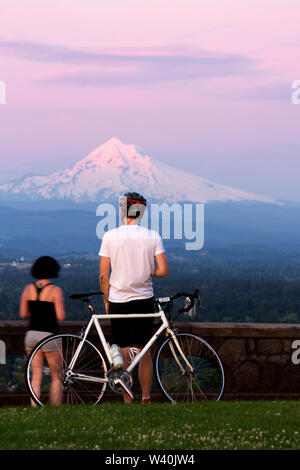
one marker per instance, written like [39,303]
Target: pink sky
[205,86]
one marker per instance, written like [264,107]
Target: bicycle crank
[120,381]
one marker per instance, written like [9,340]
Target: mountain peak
[114,168]
[115,153]
[113,145]
[116,144]
[114,140]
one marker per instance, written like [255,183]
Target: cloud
[274,92]
[39,52]
[128,66]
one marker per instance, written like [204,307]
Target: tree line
[230,292]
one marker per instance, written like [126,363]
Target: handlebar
[190,300]
[188,305]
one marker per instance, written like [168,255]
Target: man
[133,254]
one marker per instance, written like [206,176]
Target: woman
[43,303]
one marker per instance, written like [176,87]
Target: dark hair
[134,205]
[45,267]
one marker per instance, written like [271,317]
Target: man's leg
[126,359]
[145,374]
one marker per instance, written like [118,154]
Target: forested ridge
[231,290]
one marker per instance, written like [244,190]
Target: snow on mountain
[114,168]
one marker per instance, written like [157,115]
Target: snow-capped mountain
[114,168]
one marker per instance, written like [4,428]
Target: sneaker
[133,352]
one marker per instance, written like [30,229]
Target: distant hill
[231,226]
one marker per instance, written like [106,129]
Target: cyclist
[133,254]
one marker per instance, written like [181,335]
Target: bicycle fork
[191,369]
[174,337]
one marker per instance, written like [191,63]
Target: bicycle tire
[177,383]
[69,390]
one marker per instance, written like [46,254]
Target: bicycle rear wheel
[177,382]
[48,376]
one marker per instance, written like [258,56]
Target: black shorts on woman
[132,331]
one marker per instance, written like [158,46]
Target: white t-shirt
[131,249]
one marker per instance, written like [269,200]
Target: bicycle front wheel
[177,382]
[51,380]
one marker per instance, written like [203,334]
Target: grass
[159,426]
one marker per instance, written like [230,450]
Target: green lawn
[223,425]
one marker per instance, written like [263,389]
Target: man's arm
[162,265]
[104,279]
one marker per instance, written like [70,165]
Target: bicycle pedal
[124,386]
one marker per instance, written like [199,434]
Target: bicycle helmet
[134,204]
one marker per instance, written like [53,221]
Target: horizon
[210,92]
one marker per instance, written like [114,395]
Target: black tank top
[43,314]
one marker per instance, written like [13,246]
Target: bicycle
[186,367]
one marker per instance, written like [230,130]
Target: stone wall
[260,360]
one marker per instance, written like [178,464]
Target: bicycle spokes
[194,376]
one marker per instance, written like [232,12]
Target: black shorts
[132,331]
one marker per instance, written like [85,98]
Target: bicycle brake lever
[197,296]
[189,307]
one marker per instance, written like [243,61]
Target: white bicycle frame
[95,321]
